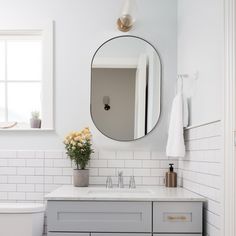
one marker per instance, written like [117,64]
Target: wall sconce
[126,21]
[106,102]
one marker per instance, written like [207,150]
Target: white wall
[200,49]
[81,26]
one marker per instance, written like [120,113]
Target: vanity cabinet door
[82,216]
[177,217]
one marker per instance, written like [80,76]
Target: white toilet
[21,219]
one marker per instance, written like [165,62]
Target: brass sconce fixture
[126,21]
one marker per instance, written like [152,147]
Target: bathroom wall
[28,175]
[201,172]
[200,55]
[200,50]
[75,42]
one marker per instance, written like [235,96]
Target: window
[26,77]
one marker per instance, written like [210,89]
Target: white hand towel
[185,112]
[175,143]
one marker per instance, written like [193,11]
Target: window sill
[27,129]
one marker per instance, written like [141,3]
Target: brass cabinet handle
[176,217]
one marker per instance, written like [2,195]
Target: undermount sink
[119,191]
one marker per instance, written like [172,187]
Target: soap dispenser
[171,177]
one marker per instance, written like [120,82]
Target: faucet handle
[109,182]
[132,182]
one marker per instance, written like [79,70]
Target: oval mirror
[125,88]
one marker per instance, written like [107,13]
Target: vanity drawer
[68,234]
[177,217]
[177,234]
[117,234]
[86,216]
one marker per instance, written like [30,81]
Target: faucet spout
[120,179]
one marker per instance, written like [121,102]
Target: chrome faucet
[120,179]
[132,182]
[109,182]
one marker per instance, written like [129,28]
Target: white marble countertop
[71,193]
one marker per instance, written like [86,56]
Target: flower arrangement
[78,146]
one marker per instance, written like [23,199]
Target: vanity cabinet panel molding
[68,234]
[92,216]
[177,217]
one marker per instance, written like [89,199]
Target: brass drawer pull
[177,218]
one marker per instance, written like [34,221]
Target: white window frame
[45,31]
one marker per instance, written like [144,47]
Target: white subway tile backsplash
[3,179]
[115,163]
[98,163]
[142,155]
[62,163]
[151,164]
[25,188]
[50,187]
[34,162]
[34,179]
[39,171]
[126,171]
[133,163]
[48,179]
[158,155]
[53,154]
[26,154]
[8,187]
[92,172]
[107,155]
[16,162]
[3,162]
[125,155]
[142,172]
[62,180]
[39,188]
[25,171]
[16,196]
[34,196]
[7,154]
[201,172]
[7,170]
[151,181]
[53,171]
[34,173]
[107,172]
[16,179]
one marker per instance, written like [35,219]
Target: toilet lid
[21,207]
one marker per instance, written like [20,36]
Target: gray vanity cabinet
[177,217]
[119,218]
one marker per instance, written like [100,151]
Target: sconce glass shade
[126,20]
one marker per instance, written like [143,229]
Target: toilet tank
[21,219]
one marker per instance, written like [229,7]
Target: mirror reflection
[125,88]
